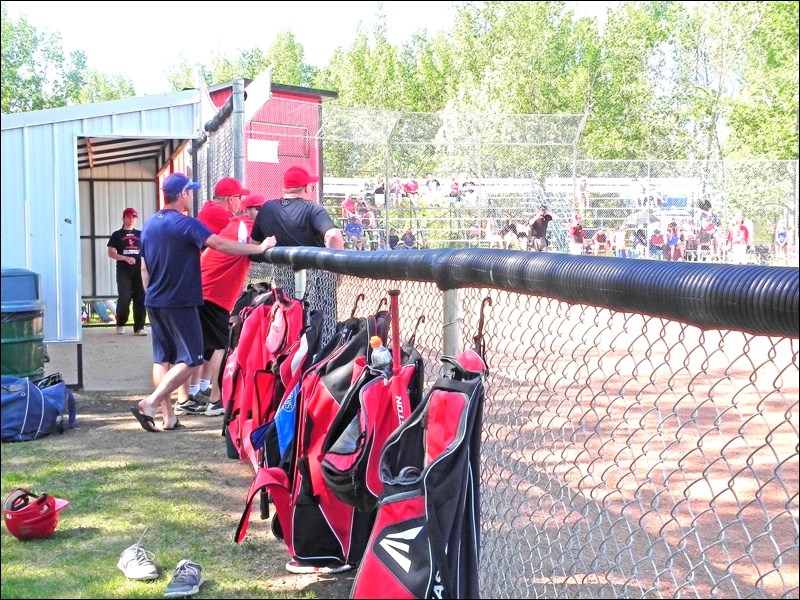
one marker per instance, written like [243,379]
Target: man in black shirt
[294,220]
[538,233]
[124,246]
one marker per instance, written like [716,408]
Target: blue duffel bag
[35,409]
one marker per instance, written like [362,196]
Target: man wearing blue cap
[170,252]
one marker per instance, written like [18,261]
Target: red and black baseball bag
[426,536]
[317,527]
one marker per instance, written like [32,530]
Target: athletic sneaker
[204,395]
[190,407]
[186,580]
[140,332]
[120,330]
[299,568]
[215,409]
[137,563]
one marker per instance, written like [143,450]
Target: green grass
[112,501]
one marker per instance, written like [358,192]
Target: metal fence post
[238,128]
[451,328]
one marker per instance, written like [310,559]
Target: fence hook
[359,298]
[381,304]
[413,339]
[480,345]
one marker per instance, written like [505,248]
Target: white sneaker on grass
[137,563]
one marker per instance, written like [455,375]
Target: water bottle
[242,232]
[381,357]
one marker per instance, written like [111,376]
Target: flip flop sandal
[147,422]
[178,425]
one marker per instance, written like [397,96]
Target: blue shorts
[177,336]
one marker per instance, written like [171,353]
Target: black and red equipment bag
[277,341]
[318,528]
[371,410]
[425,541]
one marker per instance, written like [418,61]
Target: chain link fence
[626,453]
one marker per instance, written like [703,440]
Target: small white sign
[265,151]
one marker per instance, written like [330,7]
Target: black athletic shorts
[214,321]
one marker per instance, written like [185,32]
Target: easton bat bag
[426,537]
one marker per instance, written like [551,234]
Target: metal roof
[128,117]
[100,152]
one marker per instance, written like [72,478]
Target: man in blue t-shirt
[170,253]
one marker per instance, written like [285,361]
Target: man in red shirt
[223,279]
[216,213]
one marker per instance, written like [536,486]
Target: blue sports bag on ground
[35,409]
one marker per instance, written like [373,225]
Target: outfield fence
[640,430]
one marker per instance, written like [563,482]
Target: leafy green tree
[35,74]
[764,115]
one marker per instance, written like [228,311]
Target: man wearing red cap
[216,213]
[170,252]
[223,280]
[294,220]
[124,247]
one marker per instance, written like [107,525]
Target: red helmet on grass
[29,516]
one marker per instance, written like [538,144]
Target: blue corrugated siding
[41,225]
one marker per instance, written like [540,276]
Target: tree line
[659,81]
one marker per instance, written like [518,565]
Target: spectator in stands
[455,190]
[364,212]
[600,243]
[618,242]
[707,239]
[672,242]
[395,190]
[656,249]
[508,233]
[469,190]
[537,237]
[576,235]
[705,207]
[354,233]
[411,190]
[393,238]
[380,186]
[408,238]
[782,242]
[348,206]
[433,186]
[738,238]
[640,244]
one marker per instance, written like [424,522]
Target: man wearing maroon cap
[124,247]
[294,220]
[216,213]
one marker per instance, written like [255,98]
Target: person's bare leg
[214,366]
[176,376]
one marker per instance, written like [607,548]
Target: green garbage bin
[21,324]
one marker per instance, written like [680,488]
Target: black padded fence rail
[749,298]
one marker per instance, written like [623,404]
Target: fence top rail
[749,298]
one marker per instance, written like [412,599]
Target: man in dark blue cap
[170,251]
